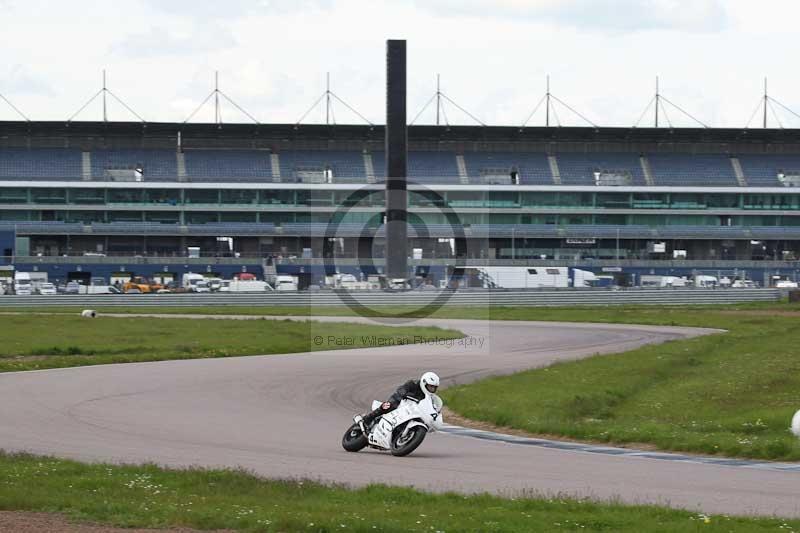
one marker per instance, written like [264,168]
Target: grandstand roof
[311,136]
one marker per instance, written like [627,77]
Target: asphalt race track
[284,415]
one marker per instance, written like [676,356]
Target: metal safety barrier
[466,298]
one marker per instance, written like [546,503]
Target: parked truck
[284,283]
[243,285]
[190,281]
[23,285]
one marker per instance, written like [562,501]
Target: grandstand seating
[762,170]
[692,170]
[41,163]
[347,166]
[533,168]
[160,165]
[423,167]
[241,166]
[210,165]
[580,168]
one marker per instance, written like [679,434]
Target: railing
[472,298]
[256,259]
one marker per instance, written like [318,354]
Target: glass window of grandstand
[650,201]
[501,199]
[239,217]
[313,218]
[770,201]
[616,220]
[428,219]
[540,199]
[498,218]
[687,201]
[162,196]
[575,199]
[49,195]
[315,198]
[87,196]
[13,195]
[692,220]
[163,217]
[276,197]
[124,216]
[15,216]
[766,220]
[277,218]
[613,200]
[200,217]
[425,199]
[85,217]
[464,219]
[355,217]
[48,215]
[722,201]
[125,196]
[648,220]
[571,220]
[239,196]
[464,198]
[363,198]
[201,196]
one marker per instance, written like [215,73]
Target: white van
[285,283]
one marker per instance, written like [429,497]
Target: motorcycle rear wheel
[402,446]
[354,439]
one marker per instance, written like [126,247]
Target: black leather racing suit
[410,388]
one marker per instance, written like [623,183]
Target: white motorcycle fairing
[426,413]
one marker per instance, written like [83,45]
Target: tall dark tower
[396,161]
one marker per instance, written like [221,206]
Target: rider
[418,390]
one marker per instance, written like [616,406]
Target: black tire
[413,439]
[354,440]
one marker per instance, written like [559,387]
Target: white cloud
[594,15]
[272,57]
[19,79]
[161,42]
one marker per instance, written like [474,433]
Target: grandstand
[131,190]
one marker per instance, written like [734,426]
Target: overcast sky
[493,57]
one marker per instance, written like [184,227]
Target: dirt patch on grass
[28,522]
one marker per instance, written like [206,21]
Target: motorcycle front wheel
[354,439]
[404,445]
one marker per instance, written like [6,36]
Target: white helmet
[429,383]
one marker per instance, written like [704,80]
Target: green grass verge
[731,394]
[32,342]
[147,496]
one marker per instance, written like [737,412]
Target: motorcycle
[400,431]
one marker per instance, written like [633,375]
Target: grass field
[730,394]
[31,342]
[147,496]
